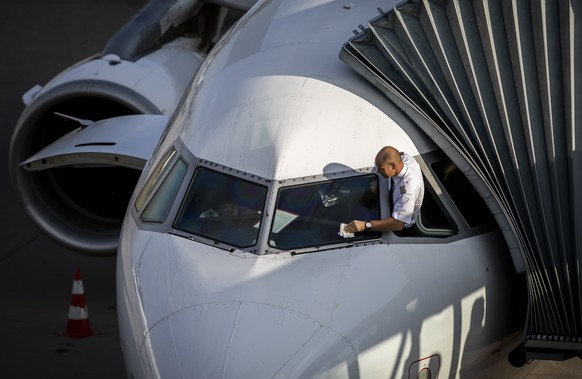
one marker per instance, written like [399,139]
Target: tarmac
[39,39]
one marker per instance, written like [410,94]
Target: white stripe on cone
[78,313]
[78,287]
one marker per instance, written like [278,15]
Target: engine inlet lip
[28,186]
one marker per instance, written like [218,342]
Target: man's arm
[384,225]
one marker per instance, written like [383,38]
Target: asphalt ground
[38,39]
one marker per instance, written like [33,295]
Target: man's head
[388,162]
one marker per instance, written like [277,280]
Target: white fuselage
[274,102]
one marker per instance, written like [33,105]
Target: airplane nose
[246,340]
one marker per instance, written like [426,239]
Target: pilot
[406,191]
[228,209]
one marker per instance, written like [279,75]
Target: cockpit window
[310,215]
[157,173]
[159,206]
[222,208]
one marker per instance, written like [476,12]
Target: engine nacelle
[83,207]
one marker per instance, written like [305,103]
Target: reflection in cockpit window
[159,206]
[156,174]
[222,208]
[310,215]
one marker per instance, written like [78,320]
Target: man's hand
[355,226]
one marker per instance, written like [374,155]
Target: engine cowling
[82,207]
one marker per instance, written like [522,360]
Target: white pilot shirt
[408,191]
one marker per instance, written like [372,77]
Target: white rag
[344,233]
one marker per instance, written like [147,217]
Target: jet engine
[82,206]
[144,69]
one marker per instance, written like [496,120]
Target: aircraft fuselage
[275,123]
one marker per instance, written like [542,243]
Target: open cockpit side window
[432,220]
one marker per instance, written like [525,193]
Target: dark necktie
[391,196]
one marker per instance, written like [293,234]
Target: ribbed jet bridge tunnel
[498,85]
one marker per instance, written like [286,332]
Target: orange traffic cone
[78,322]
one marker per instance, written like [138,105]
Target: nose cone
[246,340]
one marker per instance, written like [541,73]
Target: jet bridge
[498,86]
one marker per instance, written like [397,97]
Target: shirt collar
[402,172]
